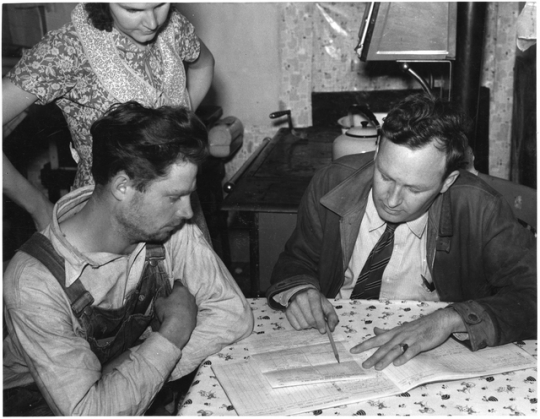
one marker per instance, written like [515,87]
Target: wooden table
[508,394]
[267,193]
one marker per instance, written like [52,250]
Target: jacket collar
[351,194]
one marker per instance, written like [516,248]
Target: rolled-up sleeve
[224,315]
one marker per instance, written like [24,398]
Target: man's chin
[390,217]
[160,237]
[163,235]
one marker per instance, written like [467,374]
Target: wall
[244,41]
[57,14]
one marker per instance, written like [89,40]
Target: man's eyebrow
[419,187]
[181,191]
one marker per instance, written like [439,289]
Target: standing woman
[108,53]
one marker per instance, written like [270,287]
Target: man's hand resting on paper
[420,335]
[310,309]
[177,314]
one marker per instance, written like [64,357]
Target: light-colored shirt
[46,343]
[402,278]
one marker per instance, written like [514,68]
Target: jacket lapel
[348,200]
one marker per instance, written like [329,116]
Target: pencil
[332,343]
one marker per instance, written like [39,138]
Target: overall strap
[154,253]
[40,247]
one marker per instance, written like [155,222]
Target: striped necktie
[368,284]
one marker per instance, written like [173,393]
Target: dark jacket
[480,257]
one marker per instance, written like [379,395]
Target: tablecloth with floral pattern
[512,394]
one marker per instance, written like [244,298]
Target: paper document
[252,392]
[308,364]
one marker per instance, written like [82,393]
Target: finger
[378,331]
[398,355]
[318,318]
[296,316]
[330,314]
[292,320]
[407,353]
[381,337]
[302,309]
[391,354]
[382,356]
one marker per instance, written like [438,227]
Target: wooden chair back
[521,198]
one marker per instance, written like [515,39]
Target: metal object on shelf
[277,114]
[225,137]
[294,131]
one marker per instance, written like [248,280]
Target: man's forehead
[415,166]
[180,177]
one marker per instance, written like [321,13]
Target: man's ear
[449,181]
[120,185]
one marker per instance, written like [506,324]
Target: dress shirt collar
[75,261]
[417,227]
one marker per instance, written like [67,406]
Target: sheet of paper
[309,364]
[287,339]
[252,395]
[452,360]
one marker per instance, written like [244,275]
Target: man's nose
[394,197]
[184,210]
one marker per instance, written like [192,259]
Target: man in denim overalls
[120,293]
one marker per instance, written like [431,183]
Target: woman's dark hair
[145,142]
[421,119]
[99,15]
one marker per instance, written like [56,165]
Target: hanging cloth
[119,79]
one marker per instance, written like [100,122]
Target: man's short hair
[145,142]
[421,119]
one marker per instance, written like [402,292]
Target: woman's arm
[16,186]
[199,76]
[14,100]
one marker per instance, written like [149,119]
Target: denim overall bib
[109,332]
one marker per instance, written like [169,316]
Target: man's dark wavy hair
[145,142]
[421,119]
[99,15]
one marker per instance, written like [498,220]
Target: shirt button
[141,297]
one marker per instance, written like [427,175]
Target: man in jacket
[409,223]
[121,292]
